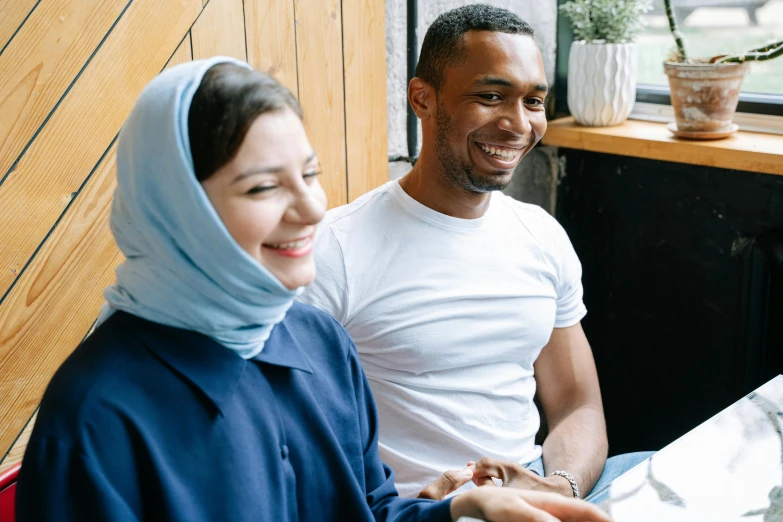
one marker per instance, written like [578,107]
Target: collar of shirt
[211,367]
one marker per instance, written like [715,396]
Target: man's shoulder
[538,222]
[370,203]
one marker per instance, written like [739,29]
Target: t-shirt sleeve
[329,291]
[570,306]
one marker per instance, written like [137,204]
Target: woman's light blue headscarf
[182,266]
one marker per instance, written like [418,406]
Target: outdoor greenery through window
[713,27]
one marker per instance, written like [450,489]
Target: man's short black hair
[443,44]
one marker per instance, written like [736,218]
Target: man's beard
[459,172]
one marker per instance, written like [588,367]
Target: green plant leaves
[611,21]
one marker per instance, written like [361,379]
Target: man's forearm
[578,445]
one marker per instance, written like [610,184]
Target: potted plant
[602,60]
[705,91]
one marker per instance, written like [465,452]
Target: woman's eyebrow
[267,170]
[254,171]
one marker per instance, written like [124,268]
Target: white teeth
[497,151]
[288,246]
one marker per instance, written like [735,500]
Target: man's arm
[570,396]
[571,399]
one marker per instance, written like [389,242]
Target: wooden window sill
[748,151]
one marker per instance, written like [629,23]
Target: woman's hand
[448,483]
[513,505]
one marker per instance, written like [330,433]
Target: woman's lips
[296,248]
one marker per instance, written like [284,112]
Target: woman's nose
[308,208]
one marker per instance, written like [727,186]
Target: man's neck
[428,184]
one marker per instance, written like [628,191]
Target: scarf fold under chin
[182,266]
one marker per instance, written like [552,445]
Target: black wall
[682,316]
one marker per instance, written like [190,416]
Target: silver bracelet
[570,479]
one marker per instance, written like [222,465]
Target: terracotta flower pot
[705,95]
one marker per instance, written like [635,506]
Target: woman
[205,393]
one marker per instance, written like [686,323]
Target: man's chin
[489,182]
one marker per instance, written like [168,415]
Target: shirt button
[284,451]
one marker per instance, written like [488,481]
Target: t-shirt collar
[425,213]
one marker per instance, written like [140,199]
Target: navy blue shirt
[149,422]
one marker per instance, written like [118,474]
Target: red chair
[8,494]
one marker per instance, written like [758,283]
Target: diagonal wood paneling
[220,30]
[39,323]
[78,133]
[320,59]
[182,54]
[365,94]
[12,14]
[54,304]
[40,64]
[271,40]
[68,79]
[16,452]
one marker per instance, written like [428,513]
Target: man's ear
[421,96]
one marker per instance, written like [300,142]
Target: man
[463,302]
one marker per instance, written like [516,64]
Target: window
[713,27]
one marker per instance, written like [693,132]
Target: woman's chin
[292,281]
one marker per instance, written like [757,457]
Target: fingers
[520,510]
[446,483]
[512,474]
[565,509]
[489,467]
[484,481]
[498,505]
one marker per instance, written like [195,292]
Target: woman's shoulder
[97,375]
[310,325]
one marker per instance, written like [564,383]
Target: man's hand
[507,505]
[448,483]
[516,476]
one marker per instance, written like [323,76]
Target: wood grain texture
[748,151]
[220,30]
[182,54]
[74,139]
[52,306]
[12,14]
[57,299]
[271,39]
[20,445]
[320,59]
[366,127]
[41,63]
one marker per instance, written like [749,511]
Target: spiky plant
[768,52]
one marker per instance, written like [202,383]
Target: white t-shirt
[448,316]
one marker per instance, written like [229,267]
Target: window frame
[749,102]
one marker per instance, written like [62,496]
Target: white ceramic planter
[601,82]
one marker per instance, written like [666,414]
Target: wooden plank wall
[70,71]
